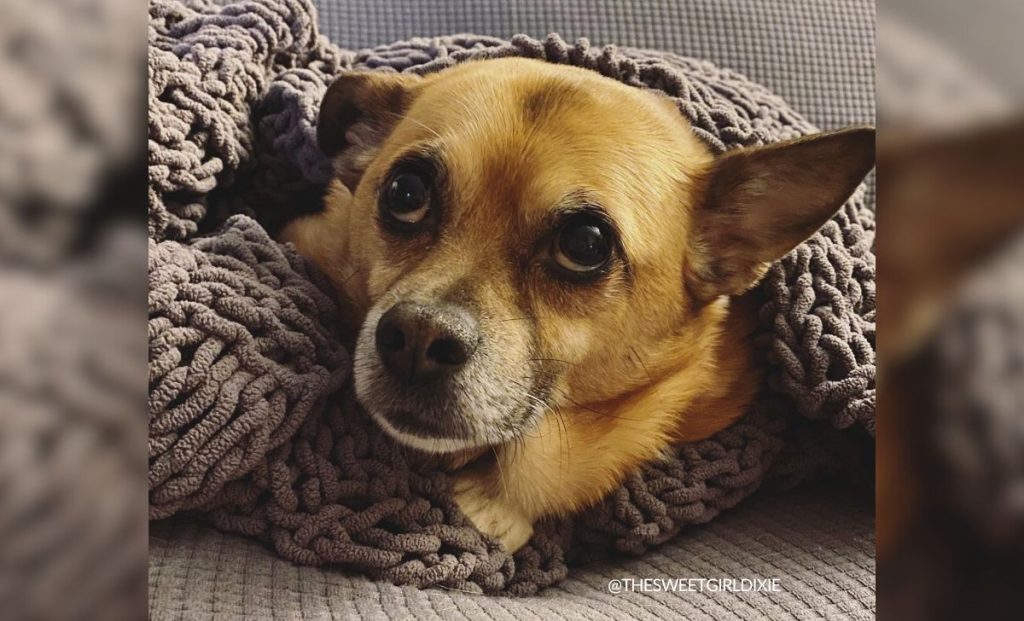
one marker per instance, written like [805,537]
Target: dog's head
[525,236]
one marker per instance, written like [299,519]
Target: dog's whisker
[642,364]
[593,411]
[561,427]
[501,472]
[563,432]
[513,446]
[400,117]
[519,433]
[565,362]
[520,444]
[344,281]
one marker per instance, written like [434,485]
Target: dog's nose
[418,342]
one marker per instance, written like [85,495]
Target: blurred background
[948,98]
[950,249]
[72,309]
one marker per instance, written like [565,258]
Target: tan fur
[573,460]
[639,361]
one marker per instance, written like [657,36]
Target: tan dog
[544,258]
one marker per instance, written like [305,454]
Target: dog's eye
[408,198]
[583,244]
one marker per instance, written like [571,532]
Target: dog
[549,271]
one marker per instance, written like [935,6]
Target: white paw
[492,516]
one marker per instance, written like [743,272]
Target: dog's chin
[423,439]
[433,423]
[440,427]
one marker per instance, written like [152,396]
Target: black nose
[418,342]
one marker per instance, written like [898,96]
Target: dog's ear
[357,114]
[759,203]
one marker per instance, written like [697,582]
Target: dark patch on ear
[337,111]
[359,98]
[548,98]
[357,113]
[760,203]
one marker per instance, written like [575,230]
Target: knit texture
[247,422]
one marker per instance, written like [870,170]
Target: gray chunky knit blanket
[252,421]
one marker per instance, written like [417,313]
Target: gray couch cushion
[818,541]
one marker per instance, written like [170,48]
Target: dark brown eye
[583,244]
[407,198]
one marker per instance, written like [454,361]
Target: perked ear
[760,203]
[356,115]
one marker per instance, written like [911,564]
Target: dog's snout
[417,342]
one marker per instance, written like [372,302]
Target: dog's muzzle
[434,378]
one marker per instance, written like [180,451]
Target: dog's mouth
[411,430]
[450,430]
[476,412]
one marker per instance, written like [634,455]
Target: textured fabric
[235,315]
[238,327]
[819,543]
[71,438]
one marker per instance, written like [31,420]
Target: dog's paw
[492,516]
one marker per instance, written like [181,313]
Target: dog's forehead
[536,130]
[528,171]
[520,139]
